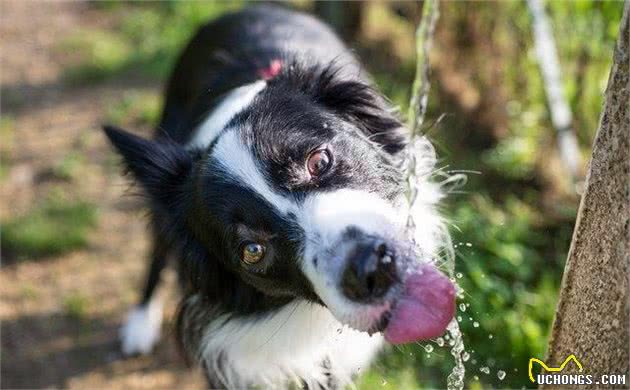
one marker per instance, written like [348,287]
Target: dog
[276,183]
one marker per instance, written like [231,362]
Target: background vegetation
[512,222]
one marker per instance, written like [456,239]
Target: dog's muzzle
[386,273]
[370,271]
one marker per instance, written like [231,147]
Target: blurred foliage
[135,108]
[53,227]
[68,168]
[7,133]
[145,41]
[76,306]
[513,225]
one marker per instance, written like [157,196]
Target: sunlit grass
[76,306]
[135,108]
[51,228]
[98,55]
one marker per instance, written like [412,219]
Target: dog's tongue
[425,308]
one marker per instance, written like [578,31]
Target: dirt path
[43,345]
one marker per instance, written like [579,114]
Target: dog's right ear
[160,167]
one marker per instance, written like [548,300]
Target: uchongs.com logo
[554,375]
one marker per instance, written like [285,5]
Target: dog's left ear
[359,103]
[160,167]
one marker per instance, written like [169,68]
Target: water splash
[455,380]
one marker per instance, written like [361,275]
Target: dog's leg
[142,328]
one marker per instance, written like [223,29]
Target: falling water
[420,162]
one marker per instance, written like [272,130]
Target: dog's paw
[142,329]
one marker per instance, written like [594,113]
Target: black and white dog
[275,181]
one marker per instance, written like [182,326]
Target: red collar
[271,71]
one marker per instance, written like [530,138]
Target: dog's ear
[160,167]
[361,104]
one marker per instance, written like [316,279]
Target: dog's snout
[370,271]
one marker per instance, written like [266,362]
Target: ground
[60,314]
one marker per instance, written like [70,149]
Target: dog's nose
[370,271]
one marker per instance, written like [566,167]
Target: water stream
[421,162]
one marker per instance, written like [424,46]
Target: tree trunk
[593,311]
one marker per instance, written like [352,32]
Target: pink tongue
[425,309]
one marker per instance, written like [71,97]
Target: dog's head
[300,194]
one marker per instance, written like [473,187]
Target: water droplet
[474,361]
[428,356]
[485,370]
[459,318]
[501,375]
[475,324]
[465,356]
[462,307]
[470,318]
[459,275]
[428,348]
[476,377]
[440,341]
[383,382]
[468,244]
[490,336]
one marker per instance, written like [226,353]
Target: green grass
[76,306]
[69,166]
[135,108]
[7,135]
[52,228]
[100,55]
[144,43]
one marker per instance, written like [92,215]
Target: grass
[99,54]
[52,228]
[76,306]
[7,134]
[68,167]
[144,43]
[135,108]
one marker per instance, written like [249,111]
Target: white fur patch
[142,328]
[290,343]
[325,217]
[239,162]
[236,101]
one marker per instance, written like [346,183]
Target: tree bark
[593,310]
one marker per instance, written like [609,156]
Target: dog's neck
[300,342]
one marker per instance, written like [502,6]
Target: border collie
[276,184]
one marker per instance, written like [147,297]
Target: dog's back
[233,51]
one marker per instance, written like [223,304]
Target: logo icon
[552,369]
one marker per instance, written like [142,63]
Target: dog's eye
[318,162]
[252,253]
